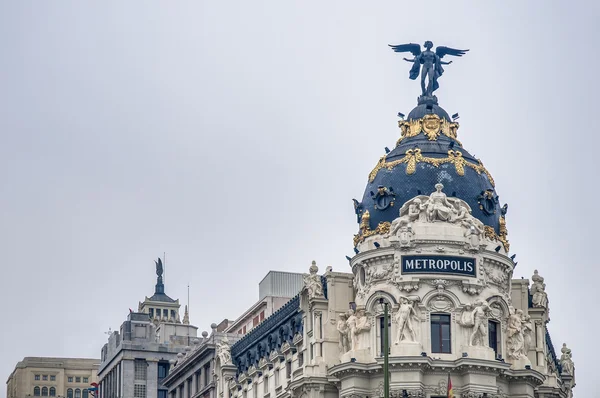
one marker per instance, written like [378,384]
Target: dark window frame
[439,322]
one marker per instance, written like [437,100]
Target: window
[162,394]
[381,335]
[197,381]
[44,377]
[78,393]
[262,316]
[70,393]
[163,370]
[139,391]
[265,384]
[78,380]
[440,334]
[244,330]
[288,369]
[70,379]
[36,377]
[189,388]
[52,392]
[255,321]
[52,378]
[173,314]
[44,391]
[206,372]
[493,335]
[85,394]
[165,313]
[140,369]
[36,391]
[86,380]
[151,312]
[276,374]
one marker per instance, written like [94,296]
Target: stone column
[128,375]
[152,379]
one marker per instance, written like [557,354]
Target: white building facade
[433,247]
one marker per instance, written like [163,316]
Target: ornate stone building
[433,247]
[136,359]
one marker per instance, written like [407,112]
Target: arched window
[440,334]
[52,392]
[70,393]
[78,393]
[44,391]
[85,393]
[36,391]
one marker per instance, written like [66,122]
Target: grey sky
[233,136]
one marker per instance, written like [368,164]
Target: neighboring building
[432,248]
[135,360]
[275,290]
[192,373]
[52,377]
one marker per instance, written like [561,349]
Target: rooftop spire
[160,287]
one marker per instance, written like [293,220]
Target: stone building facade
[192,373]
[433,248]
[136,359]
[52,377]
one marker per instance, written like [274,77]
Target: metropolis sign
[430,264]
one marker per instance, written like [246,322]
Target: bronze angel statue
[431,61]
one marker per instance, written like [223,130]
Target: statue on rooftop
[159,267]
[431,61]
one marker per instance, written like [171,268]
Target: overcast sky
[233,136]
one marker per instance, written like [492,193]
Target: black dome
[427,154]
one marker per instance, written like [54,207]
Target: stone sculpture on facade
[360,338]
[342,328]
[527,333]
[538,291]
[565,361]
[438,206]
[312,282]
[224,351]
[480,317]
[473,237]
[404,320]
[515,340]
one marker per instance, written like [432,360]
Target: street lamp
[386,349]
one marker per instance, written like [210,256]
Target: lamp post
[386,349]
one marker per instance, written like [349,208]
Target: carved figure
[343,329]
[407,215]
[472,234]
[431,61]
[466,318]
[515,342]
[527,333]
[481,314]
[224,351]
[404,318]
[438,206]
[538,290]
[361,331]
[351,322]
[565,360]
[312,282]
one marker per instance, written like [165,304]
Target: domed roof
[427,153]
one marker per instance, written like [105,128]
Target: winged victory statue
[431,61]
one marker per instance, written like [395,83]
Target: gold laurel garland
[414,156]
